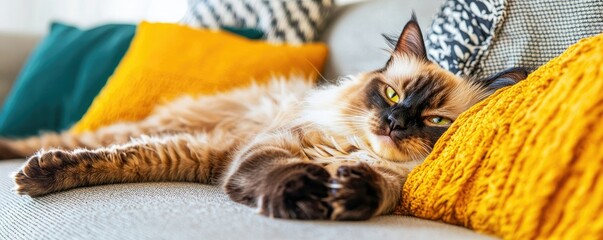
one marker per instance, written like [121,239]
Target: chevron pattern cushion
[282,21]
[482,37]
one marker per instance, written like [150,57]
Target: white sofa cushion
[180,211]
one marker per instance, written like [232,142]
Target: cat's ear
[505,78]
[410,42]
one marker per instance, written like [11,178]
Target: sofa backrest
[354,32]
[14,50]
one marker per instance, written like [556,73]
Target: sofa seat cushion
[180,211]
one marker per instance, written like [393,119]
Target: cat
[288,148]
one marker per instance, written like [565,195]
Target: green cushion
[64,74]
[62,77]
[250,33]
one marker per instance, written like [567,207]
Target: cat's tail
[25,147]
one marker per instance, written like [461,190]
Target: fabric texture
[536,31]
[192,61]
[481,38]
[62,77]
[181,211]
[462,32]
[283,21]
[525,163]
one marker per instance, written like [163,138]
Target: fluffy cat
[292,150]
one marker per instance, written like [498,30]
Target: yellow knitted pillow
[527,163]
[168,60]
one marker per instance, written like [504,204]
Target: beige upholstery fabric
[195,211]
[354,32]
[180,211]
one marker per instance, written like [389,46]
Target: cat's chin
[387,148]
[387,141]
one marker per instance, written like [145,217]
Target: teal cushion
[62,77]
[250,33]
[64,74]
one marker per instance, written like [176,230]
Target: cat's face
[402,109]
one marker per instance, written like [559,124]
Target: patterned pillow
[283,21]
[482,37]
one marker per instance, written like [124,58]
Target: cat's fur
[337,152]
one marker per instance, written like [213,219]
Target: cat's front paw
[39,174]
[296,192]
[355,192]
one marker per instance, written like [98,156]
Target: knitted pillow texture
[526,163]
[282,21]
[156,69]
[483,37]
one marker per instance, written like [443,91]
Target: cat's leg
[186,114]
[361,191]
[184,157]
[114,134]
[273,175]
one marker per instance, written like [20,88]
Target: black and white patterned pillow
[482,37]
[461,33]
[282,21]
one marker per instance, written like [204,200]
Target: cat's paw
[296,192]
[355,192]
[39,174]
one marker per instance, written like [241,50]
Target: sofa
[173,210]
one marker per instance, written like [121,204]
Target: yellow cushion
[527,163]
[168,60]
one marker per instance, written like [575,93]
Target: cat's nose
[395,124]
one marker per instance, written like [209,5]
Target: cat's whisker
[334,185]
[318,72]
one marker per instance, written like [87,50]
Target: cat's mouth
[393,145]
[387,137]
[387,140]
[387,146]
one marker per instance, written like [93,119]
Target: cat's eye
[439,121]
[392,95]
